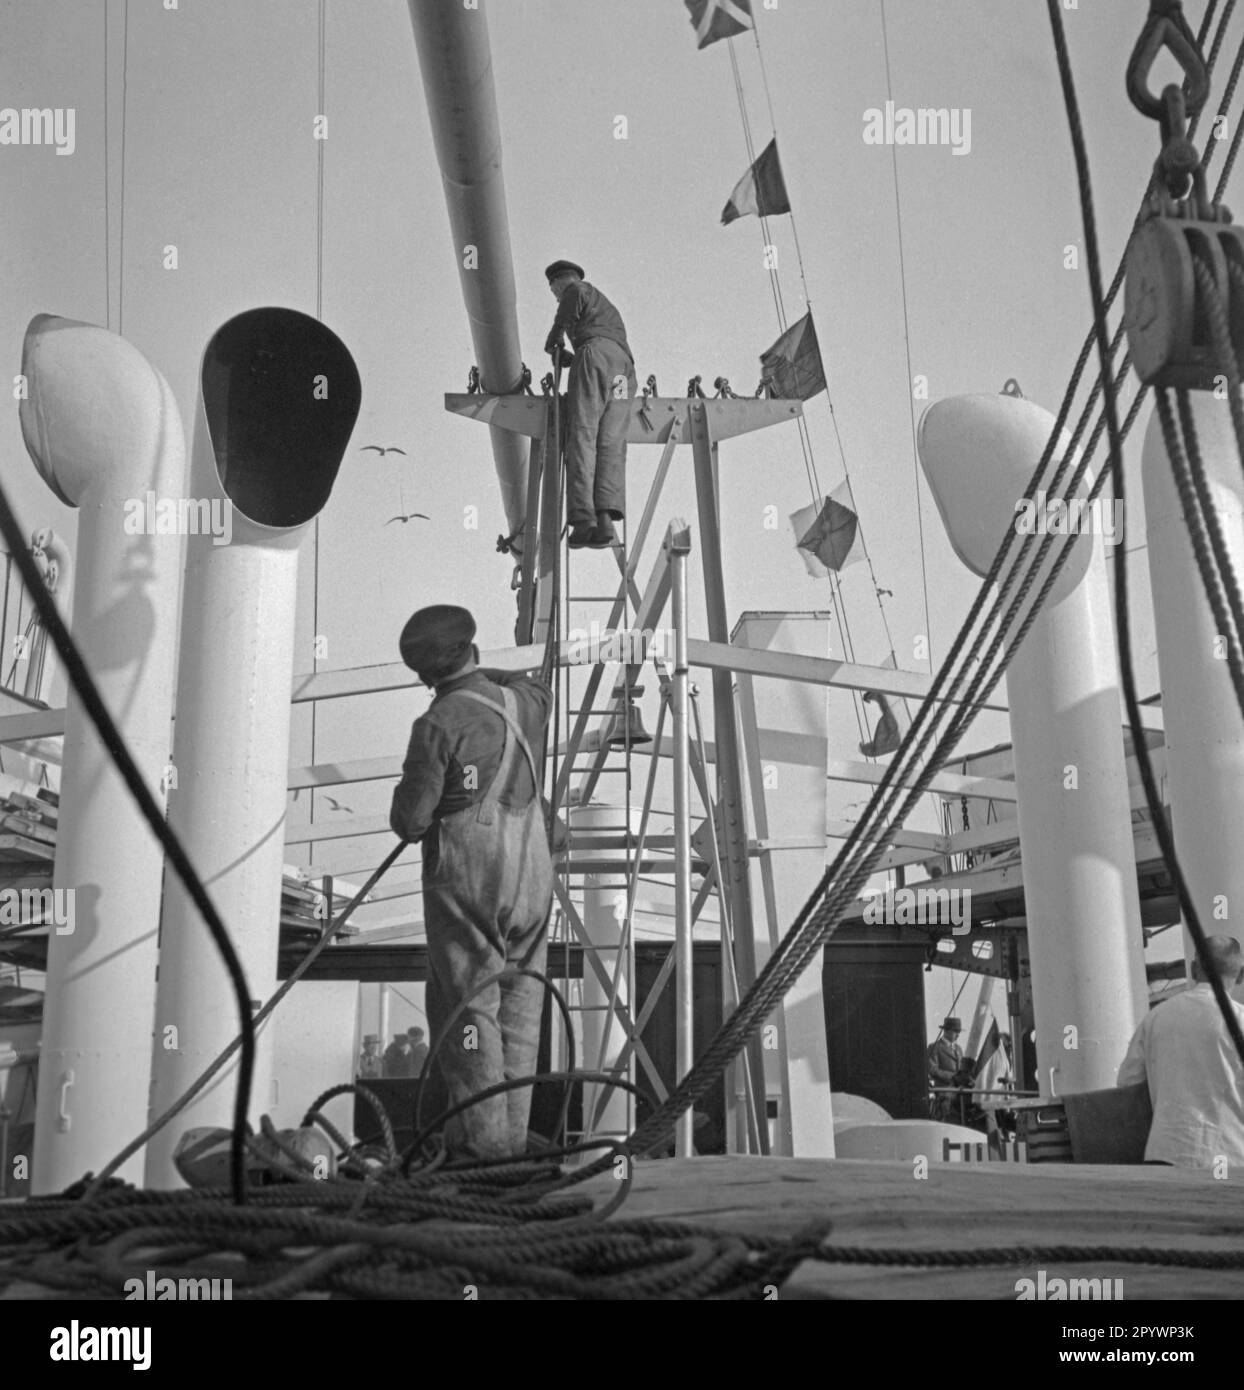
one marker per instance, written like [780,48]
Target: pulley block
[1167,321]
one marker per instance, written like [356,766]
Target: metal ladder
[601,998]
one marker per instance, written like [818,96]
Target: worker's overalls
[487,892]
[602,382]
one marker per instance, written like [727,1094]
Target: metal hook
[1166,28]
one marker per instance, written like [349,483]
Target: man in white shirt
[1196,1080]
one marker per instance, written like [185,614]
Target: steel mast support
[677,548]
[731,816]
[666,421]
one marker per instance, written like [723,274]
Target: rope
[853,865]
[1221,335]
[1220,35]
[1206,20]
[848,871]
[506,1238]
[487,982]
[1205,533]
[1211,140]
[1227,360]
[764,78]
[107,197]
[805,438]
[789,958]
[319,314]
[911,404]
[125,106]
[251,1024]
[110,736]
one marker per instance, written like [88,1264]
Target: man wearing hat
[602,382]
[470,792]
[397,1058]
[371,1064]
[945,1061]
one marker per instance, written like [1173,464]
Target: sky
[194,128]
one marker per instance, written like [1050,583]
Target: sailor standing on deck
[602,382]
[945,1062]
[470,791]
[1196,1082]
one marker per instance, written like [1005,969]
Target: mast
[455,59]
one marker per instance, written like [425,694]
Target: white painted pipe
[1081,900]
[103,429]
[279,394]
[1204,731]
[455,61]
[604,921]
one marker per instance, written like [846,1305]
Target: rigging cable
[805,435]
[805,440]
[911,404]
[82,682]
[107,199]
[125,78]
[829,400]
[793,953]
[1122,623]
[319,314]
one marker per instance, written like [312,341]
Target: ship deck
[958,1207]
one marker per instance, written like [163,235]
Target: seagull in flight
[405,516]
[382,450]
[337,806]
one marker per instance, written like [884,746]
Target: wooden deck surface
[957,1207]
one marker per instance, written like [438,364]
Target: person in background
[397,1057]
[371,1064]
[1184,1052]
[418,1050]
[945,1065]
[602,382]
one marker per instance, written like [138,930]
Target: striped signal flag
[719,19]
[826,532]
[762,190]
[791,370]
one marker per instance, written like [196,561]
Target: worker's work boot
[581,534]
[603,535]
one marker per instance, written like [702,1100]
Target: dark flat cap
[562,268]
[434,637]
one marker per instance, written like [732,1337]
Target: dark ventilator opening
[281,394]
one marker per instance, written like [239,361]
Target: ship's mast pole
[677,548]
[455,59]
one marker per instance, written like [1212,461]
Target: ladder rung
[600,830]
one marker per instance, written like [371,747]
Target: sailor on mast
[602,381]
